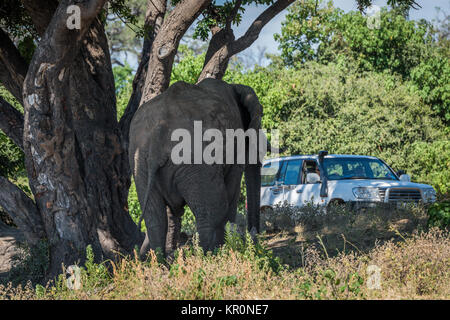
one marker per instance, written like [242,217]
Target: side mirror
[400,172]
[405,177]
[312,178]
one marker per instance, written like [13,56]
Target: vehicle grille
[382,193]
[397,194]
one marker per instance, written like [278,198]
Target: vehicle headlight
[367,193]
[429,194]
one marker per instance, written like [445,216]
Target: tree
[315,31]
[75,148]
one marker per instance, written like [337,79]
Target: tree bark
[76,166]
[166,44]
[154,17]
[41,12]
[75,150]
[13,67]
[219,55]
[11,122]
[22,210]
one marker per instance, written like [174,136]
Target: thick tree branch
[217,55]
[221,50]
[22,210]
[60,43]
[41,12]
[13,67]
[166,44]
[255,28]
[11,122]
[154,17]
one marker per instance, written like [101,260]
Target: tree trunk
[166,44]
[154,17]
[77,168]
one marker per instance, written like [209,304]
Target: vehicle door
[291,180]
[271,185]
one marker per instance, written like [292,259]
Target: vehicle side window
[269,173]
[309,166]
[292,173]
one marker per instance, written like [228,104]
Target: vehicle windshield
[357,168]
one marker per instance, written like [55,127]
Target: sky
[265,40]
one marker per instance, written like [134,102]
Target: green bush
[439,214]
[315,31]
[343,110]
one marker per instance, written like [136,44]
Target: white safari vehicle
[361,181]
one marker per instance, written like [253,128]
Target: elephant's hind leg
[155,218]
[174,228]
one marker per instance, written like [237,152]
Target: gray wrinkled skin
[211,191]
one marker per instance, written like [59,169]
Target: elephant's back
[182,106]
[183,103]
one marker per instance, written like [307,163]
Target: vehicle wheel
[336,205]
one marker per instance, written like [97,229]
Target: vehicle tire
[336,205]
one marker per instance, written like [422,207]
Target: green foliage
[189,67]
[134,207]
[337,108]
[123,78]
[431,78]
[217,15]
[94,274]
[322,33]
[399,46]
[431,162]
[124,26]
[15,20]
[252,250]
[188,225]
[439,214]
[307,25]
[11,157]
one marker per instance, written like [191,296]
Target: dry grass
[417,268]
[316,258]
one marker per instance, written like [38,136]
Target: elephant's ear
[249,102]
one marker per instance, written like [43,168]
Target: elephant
[211,190]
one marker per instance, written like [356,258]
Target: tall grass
[414,268]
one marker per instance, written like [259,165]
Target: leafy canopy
[316,31]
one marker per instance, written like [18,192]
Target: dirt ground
[10,238]
[360,233]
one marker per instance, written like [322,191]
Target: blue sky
[428,12]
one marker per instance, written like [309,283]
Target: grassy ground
[308,254]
